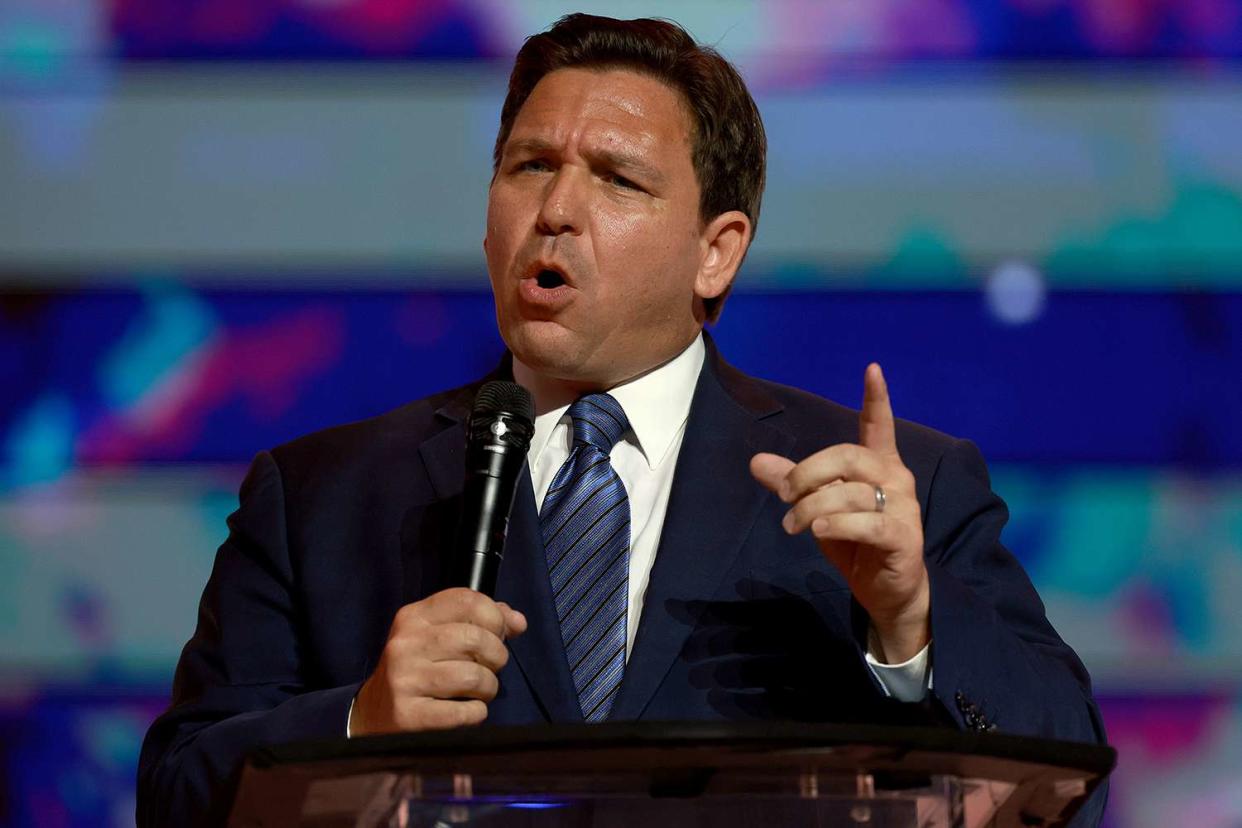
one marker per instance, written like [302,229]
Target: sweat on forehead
[613,124]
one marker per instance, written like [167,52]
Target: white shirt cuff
[349,716]
[908,681]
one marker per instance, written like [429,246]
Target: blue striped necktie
[585,523]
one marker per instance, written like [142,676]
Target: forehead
[606,106]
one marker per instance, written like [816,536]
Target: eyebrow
[610,158]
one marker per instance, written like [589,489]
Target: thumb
[515,622]
[771,470]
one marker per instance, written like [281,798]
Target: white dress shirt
[657,405]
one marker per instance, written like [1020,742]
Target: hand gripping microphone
[497,438]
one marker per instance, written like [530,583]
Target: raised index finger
[876,429]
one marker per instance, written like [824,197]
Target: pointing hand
[860,505]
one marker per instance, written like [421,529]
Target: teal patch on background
[40,443]
[214,507]
[111,740]
[1186,595]
[923,256]
[1098,536]
[1196,241]
[175,325]
[31,50]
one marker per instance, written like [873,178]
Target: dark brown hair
[729,147]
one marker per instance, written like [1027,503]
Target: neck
[551,393]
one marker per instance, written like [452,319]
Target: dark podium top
[672,773]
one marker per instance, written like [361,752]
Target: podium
[652,774]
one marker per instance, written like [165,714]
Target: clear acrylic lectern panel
[622,800]
[644,775]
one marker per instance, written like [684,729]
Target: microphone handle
[491,483]
[481,569]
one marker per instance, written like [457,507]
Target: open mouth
[549,279]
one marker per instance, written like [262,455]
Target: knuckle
[457,679]
[433,682]
[441,637]
[405,617]
[796,479]
[471,638]
[827,527]
[465,599]
[489,616]
[473,712]
[837,499]
[470,677]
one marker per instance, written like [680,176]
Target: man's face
[593,237]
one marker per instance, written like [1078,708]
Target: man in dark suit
[666,558]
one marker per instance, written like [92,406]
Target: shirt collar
[656,403]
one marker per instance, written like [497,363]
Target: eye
[621,181]
[533,165]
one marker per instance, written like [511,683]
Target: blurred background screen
[226,223]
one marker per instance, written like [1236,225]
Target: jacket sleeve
[997,661]
[242,680]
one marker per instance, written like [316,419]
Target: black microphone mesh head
[509,397]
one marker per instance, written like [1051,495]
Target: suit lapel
[434,512]
[444,452]
[713,503]
[523,584]
[522,581]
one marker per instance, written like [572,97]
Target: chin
[546,347]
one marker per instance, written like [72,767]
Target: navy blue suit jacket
[339,529]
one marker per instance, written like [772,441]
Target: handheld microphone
[497,438]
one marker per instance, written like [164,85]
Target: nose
[561,211]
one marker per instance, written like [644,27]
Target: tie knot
[599,420]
